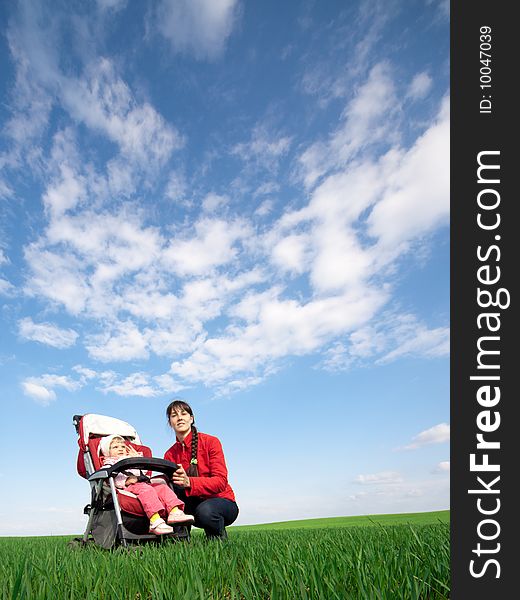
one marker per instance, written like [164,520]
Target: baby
[156,498]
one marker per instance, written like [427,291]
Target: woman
[202,473]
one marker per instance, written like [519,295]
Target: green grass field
[427,518]
[378,557]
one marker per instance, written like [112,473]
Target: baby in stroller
[157,499]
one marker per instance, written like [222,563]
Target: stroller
[115,516]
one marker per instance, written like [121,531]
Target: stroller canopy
[91,428]
[91,425]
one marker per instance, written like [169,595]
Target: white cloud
[176,338]
[103,101]
[265,208]
[65,193]
[32,103]
[384,477]
[214,201]
[98,98]
[349,249]
[340,261]
[118,243]
[168,384]
[337,256]
[47,333]
[275,328]
[367,119]
[124,342]
[56,277]
[367,341]
[265,189]
[111,6]
[51,380]
[41,388]
[443,7]
[5,189]
[6,287]
[216,294]
[425,342]
[443,467]
[420,86]
[137,384]
[289,254]
[416,198]
[391,190]
[438,434]
[38,392]
[177,186]
[140,384]
[213,245]
[81,258]
[385,339]
[264,150]
[118,265]
[84,373]
[198,27]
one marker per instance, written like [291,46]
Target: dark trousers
[211,514]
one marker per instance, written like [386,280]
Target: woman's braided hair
[193,470]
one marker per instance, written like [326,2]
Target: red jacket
[212,480]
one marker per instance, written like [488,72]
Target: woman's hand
[180,479]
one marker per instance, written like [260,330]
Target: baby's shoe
[159,527]
[177,517]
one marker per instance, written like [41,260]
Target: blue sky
[242,204]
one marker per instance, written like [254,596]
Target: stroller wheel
[79,543]
[181,533]
[136,549]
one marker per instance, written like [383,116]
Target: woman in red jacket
[202,473]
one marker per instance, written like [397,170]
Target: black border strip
[475,131]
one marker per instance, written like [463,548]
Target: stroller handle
[149,464]
[75,421]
